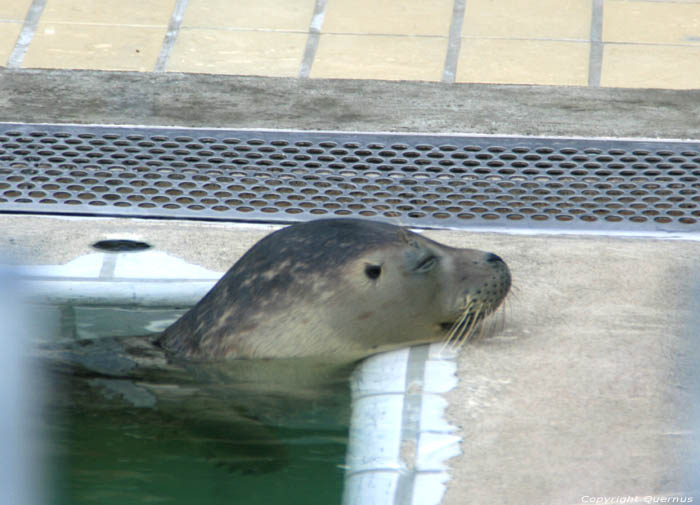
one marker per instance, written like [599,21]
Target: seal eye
[373,271]
[427,263]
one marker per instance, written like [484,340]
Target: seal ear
[407,237]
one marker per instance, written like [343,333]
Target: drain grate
[418,180]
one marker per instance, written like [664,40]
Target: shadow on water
[247,432]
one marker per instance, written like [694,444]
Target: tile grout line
[410,422]
[109,265]
[27,34]
[312,41]
[171,35]
[454,43]
[595,56]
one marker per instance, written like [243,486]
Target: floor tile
[523,62]
[380,57]
[292,15]
[395,17]
[649,43]
[102,47]
[546,19]
[238,52]
[655,22]
[8,38]
[14,9]
[651,66]
[113,12]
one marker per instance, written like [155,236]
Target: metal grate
[418,180]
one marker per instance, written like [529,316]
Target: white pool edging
[144,278]
[145,291]
[399,439]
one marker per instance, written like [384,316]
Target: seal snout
[485,281]
[502,275]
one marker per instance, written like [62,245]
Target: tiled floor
[626,43]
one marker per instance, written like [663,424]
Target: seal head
[340,289]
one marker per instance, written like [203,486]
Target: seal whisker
[477,315]
[507,308]
[477,330]
[455,331]
[462,330]
[514,292]
[487,326]
[483,328]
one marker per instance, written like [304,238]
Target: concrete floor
[586,391]
[231,101]
[87,97]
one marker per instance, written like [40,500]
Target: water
[120,459]
[248,433]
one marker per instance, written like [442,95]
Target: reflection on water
[244,433]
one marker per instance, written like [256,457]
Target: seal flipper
[113,357]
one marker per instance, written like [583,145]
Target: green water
[242,432]
[129,457]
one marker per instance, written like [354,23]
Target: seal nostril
[493,258]
[121,245]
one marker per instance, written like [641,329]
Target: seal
[340,289]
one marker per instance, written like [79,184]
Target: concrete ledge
[202,100]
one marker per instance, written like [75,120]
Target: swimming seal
[340,289]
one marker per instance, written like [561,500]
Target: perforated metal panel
[417,180]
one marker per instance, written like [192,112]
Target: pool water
[120,458]
[250,433]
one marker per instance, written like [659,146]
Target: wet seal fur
[341,289]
